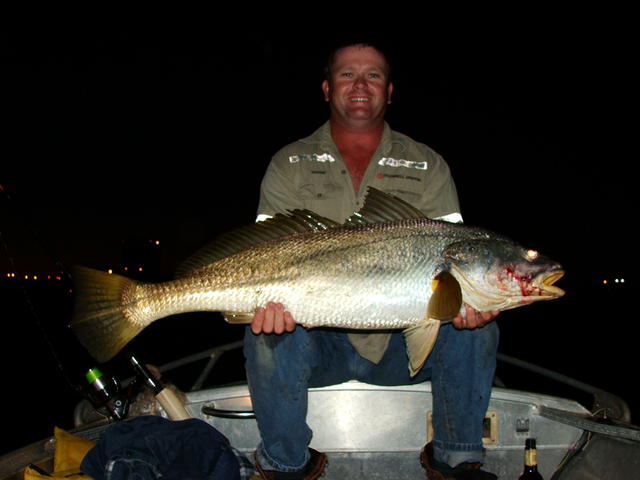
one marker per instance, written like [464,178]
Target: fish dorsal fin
[228,243]
[382,207]
[378,207]
[446,299]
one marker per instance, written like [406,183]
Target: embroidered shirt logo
[399,162]
[312,157]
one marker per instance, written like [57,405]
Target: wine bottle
[530,471]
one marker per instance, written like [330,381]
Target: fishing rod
[32,311]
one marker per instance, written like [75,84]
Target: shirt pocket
[323,196]
[404,184]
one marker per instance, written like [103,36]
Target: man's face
[359,90]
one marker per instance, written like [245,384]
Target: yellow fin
[99,318]
[446,300]
[238,317]
[420,339]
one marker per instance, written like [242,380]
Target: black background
[116,131]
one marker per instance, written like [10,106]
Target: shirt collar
[323,136]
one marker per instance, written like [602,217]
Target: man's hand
[473,319]
[272,319]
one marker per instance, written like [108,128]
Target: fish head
[497,274]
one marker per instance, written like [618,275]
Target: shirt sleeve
[440,198]
[277,192]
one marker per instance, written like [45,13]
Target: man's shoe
[441,471]
[312,470]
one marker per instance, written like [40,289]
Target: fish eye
[531,255]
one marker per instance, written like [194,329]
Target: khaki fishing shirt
[311,174]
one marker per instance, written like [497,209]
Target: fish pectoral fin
[238,318]
[446,299]
[420,339]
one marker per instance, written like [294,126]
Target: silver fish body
[392,274]
[376,276]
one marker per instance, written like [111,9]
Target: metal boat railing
[213,354]
[608,405]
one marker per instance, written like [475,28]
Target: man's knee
[269,352]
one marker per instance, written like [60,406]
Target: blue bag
[152,447]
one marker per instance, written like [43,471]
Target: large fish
[387,267]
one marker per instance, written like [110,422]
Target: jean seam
[269,463]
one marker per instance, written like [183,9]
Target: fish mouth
[544,283]
[508,291]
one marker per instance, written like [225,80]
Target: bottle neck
[531,460]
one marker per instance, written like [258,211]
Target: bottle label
[530,458]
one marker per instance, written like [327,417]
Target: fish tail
[99,321]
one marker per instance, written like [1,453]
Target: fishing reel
[105,392]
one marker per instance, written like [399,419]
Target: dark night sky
[164,129]
[117,131]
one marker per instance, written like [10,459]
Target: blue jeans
[280,368]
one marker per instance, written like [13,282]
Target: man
[329,173]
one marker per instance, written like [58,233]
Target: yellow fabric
[31,474]
[70,450]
